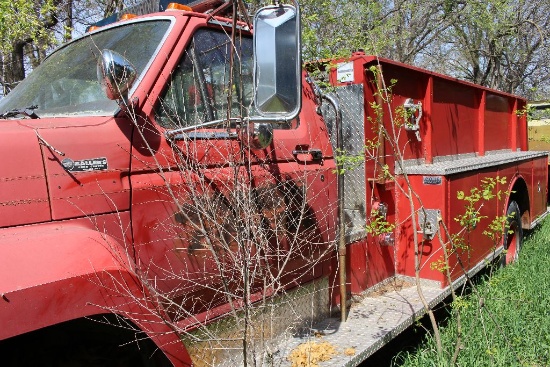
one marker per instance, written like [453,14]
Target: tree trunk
[14,68]
[68,22]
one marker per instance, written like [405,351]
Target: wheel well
[102,340]
[520,195]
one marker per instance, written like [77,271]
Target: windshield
[66,82]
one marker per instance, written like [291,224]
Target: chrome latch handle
[413,114]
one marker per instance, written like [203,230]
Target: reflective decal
[432,180]
[344,72]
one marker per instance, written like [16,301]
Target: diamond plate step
[371,323]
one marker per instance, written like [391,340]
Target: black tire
[82,343]
[513,237]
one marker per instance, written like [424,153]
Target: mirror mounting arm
[127,107]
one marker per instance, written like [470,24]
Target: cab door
[214,220]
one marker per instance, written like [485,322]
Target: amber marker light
[127,16]
[176,6]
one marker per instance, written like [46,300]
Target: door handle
[308,155]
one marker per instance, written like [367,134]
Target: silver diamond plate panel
[371,324]
[351,101]
[449,167]
[271,322]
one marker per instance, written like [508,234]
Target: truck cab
[134,156]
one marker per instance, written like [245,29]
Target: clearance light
[127,16]
[92,28]
[176,6]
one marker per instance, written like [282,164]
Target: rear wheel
[513,237]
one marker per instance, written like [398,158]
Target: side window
[202,87]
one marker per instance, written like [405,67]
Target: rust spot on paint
[22,202]
[268,217]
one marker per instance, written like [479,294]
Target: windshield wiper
[25,111]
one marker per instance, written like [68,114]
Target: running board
[374,321]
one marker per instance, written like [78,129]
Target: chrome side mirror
[277,62]
[115,74]
[256,135]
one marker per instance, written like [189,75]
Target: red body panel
[458,117]
[159,238]
[539,190]
[369,263]
[459,120]
[23,195]
[453,103]
[444,197]
[79,193]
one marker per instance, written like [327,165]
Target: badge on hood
[83,165]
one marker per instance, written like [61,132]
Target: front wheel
[513,236]
[103,340]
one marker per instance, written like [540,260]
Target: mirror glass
[116,74]
[277,62]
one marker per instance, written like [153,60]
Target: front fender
[55,272]
[47,274]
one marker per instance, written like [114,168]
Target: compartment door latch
[413,114]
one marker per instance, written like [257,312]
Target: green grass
[505,320]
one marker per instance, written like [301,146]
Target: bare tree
[498,44]
[501,45]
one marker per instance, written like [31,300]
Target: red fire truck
[174,175]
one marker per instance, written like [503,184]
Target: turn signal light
[127,16]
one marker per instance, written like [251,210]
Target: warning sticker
[344,72]
[92,164]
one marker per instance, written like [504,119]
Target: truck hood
[86,164]
[23,188]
